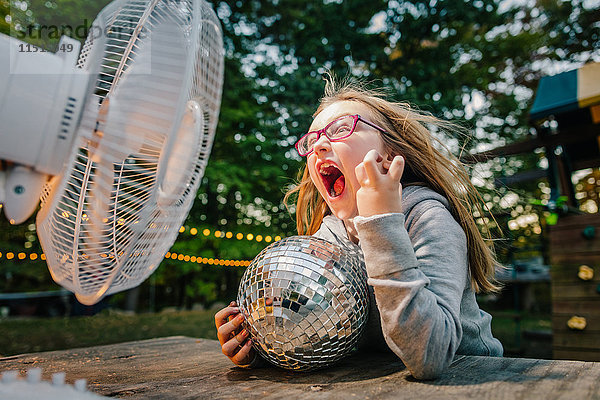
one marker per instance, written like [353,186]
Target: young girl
[374,177]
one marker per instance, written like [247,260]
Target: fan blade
[142,109]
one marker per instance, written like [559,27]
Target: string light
[22,256]
[206,231]
[229,235]
[205,260]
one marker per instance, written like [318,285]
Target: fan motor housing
[41,96]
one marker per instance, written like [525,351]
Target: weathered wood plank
[576,339]
[559,324]
[583,290]
[567,243]
[563,246]
[574,230]
[569,354]
[575,222]
[567,273]
[186,368]
[573,235]
[581,257]
[577,307]
[569,236]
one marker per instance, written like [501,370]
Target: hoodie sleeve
[419,278]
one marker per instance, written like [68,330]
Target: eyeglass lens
[338,129]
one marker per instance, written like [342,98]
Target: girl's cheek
[312,176]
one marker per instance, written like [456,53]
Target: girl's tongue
[333,179]
[338,186]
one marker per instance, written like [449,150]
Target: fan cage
[101,227]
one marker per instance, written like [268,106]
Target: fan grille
[107,225]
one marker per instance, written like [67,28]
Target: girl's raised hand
[235,342]
[380,190]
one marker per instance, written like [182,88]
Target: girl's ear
[389,156]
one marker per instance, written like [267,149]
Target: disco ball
[305,302]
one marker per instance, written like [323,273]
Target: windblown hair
[428,163]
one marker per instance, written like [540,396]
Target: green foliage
[21,275]
[4,11]
[477,62]
[43,22]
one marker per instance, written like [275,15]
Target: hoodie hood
[413,195]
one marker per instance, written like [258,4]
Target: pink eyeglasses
[338,129]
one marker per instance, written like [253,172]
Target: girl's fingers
[241,356]
[361,174]
[224,331]
[396,168]
[372,158]
[373,166]
[230,347]
[221,317]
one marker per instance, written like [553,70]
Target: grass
[26,335]
[508,330]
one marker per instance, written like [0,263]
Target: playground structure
[566,118]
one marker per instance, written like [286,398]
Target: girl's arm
[418,284]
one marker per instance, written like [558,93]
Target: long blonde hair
[427,165]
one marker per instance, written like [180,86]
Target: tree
[477,62]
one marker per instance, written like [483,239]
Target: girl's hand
[380,190]
[235,342]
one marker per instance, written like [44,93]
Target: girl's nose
[322,144]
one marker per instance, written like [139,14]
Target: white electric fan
[115,141]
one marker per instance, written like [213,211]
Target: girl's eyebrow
[340,115]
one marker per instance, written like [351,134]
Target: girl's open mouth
[333,179]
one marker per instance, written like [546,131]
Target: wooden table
[187,368]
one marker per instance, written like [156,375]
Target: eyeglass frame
[319,132]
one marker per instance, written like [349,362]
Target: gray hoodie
[424,307]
